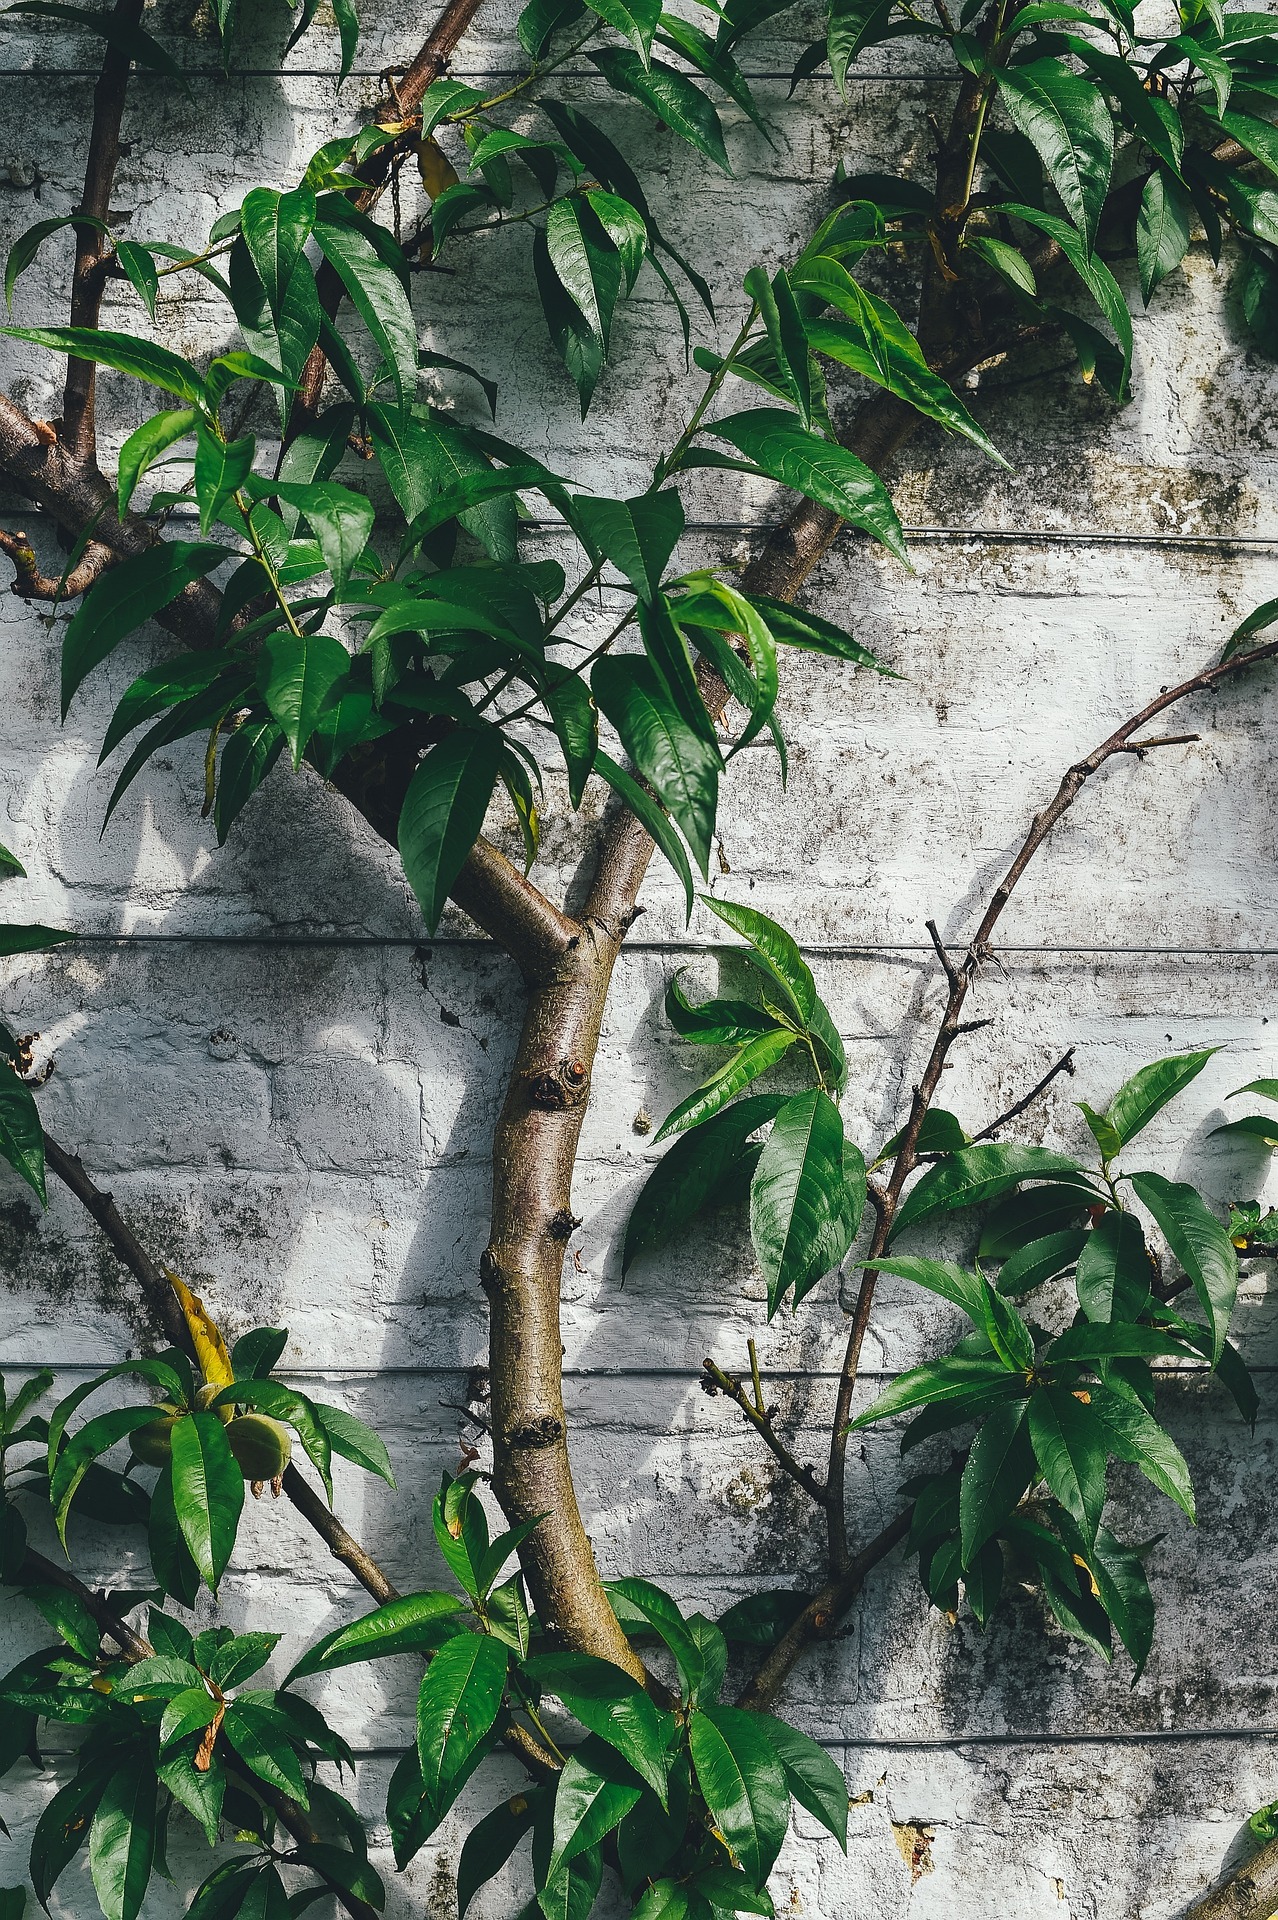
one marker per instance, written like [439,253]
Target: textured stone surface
[291,1092]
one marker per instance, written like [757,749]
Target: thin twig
[961,979]
[760,1418]
[162,1306]
[1064,1065]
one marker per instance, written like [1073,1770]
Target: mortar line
[469,943]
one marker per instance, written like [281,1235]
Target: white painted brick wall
[300,1129]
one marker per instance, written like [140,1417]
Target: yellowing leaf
[210,1347]
[436,169]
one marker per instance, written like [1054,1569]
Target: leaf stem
[669,462]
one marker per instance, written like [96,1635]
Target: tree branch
[714,1379]
[1249,1894]
[29,583]
[1064,1065]
[162,1308]
[92,251]
[961,979]
[426,66]
[821,1615]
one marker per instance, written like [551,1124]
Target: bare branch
[1249,1894]
[821,1615]
[1070,787]
[760,1418]
[29,583]
[1064,1065]
[92,251]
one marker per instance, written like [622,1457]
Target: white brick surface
[303,1127]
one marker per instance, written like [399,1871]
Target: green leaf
[687,1179]
[1140,110]
[187,1712]
[443,813]
[824,471]
[415,1623]
[1024,1217]
[786,336]
[122,1839]
[141,358]
[276,226]
[1093,273]
[138,265]
[1113,1273]
[1148,1092]
[490,1843]
[21,1134]
[571,1895]
[220,471]
[64,1826]
[28,244]
[980,1379]
[123,598]
[208,1492]
[1040,1260]
[974,1174]
[1256,1126]
[1123,1590]
[813,1778]
[681,765]
[611,1705]
[999,1468]
[341,519]
[643,1608]
[778,953]
[376,292]
[625,227]
[1008,262]
[263,1738]
[715,1023]
[796,627]
[586,262]
[1132,1434]
[745,1066]
[670,95]
[579,345]
[458,1703]
[650,817]
[594,1794]
[296,675]
[572,714]
[874,341]
[853,24]
[743,1784]
[94,1438]
[637,535]
[667,649]
[637,19]
[1069,1442]
[1164,223]
[803,1219]
[354,1441]
[1067,121]
[1201,1245]
[247,758]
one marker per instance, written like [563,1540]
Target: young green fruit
[153,1443]
[262,1447]
[204,1397]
